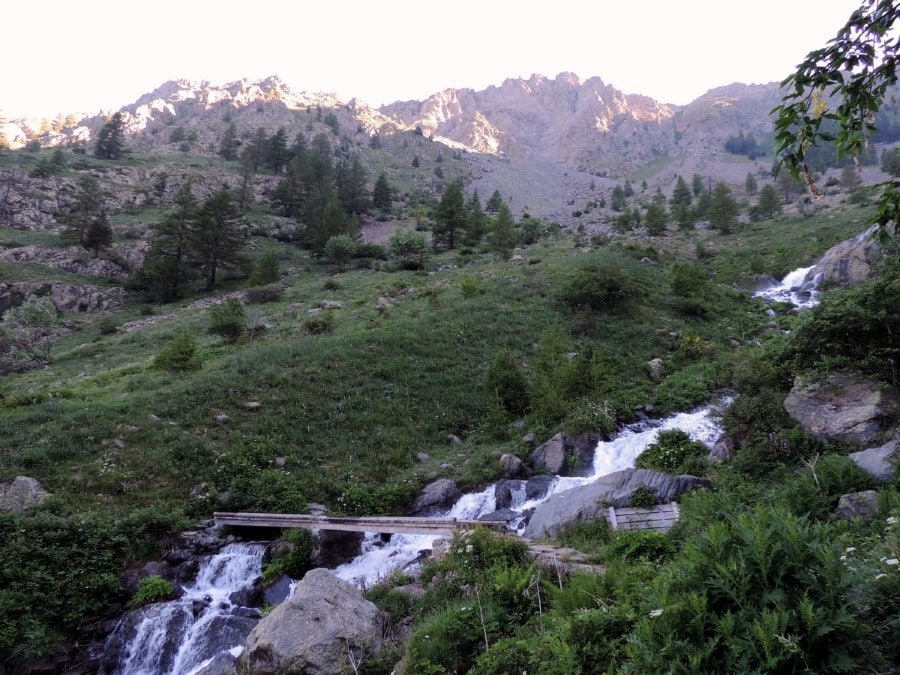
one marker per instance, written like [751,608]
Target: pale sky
[91,55]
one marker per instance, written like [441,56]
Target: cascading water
[799,287]
[179,637]
[378,559]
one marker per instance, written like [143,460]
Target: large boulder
[850,262]
[436,496]
[880,462]
[21,493]
[316,632]
[862,505]
[591,501]
[842,407]
[551,456]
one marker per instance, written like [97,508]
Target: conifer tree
[503,233]
[218,241]
[85,220]
[169,261]
[723,209]
[450,219]
[477,221]
[769,203]
[494,203]
[111,138]
[381,194]
[229,143]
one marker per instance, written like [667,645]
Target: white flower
[892,562]
[879,576]
[850,549]
[655,613]
[890,520]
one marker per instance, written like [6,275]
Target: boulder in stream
[591,501]
[317,631]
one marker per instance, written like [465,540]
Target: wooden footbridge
[383,525]
[660,518]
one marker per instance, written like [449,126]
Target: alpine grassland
[354,381]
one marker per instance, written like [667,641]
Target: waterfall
[179,637]
[799,287]
[378,558]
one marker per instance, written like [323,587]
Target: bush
[264,294]
[319,323]
[294,557]
[759,591]
[505,379]
[152,589]
[227,319]
[673,452]
[340,249]
[602,287]
[179,356]
[687,387]
[408,250]
[266,270]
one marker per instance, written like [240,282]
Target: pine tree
[229,143]
[276,156]
[769,203]
[750,185]
[169,261]
[618,202]
[655,219]
[477,221]
[218,241]
[111,138]
[503,233]
[350,180]
[450,219]
[680,203]
[723,209]
[381,194]
[697,184]
[494,203]
[85,218]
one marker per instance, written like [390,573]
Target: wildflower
[850,549]
[879,576]
[655,613]
[892,562]
[890,520]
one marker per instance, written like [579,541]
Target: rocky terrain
[533,140]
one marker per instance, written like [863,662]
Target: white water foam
[378,559]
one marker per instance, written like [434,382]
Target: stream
[182,636]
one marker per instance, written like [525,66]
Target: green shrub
[587,415]
[408,250]
[643,498]
[180,355]
[759,591]
[294,557]
[817,488]
[228,320]
[447,641]
[505,378]
[319,323]
[340,249]
[469,286]
[688,387]
[152,589]
[852,328]
[599,636]
[264,294]
[632,545]
[587,536]
[266,270]
[602,287]
[673,452]
[512,655]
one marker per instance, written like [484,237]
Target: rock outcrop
[21,493]
[590,502]
[435,496]
[67,298]
[880,462]
[842,408]
[851,261]
[324,625]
